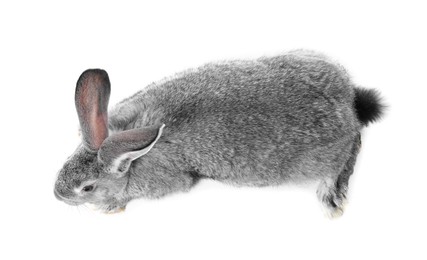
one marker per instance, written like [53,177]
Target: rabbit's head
[97,170]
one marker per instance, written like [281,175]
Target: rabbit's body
[251,123]
[263,122]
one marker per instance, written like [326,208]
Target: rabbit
[290,118]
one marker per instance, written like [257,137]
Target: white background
[46,45]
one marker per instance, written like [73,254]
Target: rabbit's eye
[87,188]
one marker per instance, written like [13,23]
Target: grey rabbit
[296,117]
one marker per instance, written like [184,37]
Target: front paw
[108,209]
[113,209]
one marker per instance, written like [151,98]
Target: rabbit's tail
[368,105]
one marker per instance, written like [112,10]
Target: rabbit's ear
[92,95]
[119,150]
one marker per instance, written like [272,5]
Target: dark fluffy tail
[368,105]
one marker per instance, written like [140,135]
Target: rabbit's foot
[114,208]
[332,199]
[107,208]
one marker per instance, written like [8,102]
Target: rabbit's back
[251,122]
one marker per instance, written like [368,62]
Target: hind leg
[332,192]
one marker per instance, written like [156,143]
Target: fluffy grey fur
[262,122]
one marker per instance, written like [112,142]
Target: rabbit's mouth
[66,200]
[73,203]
